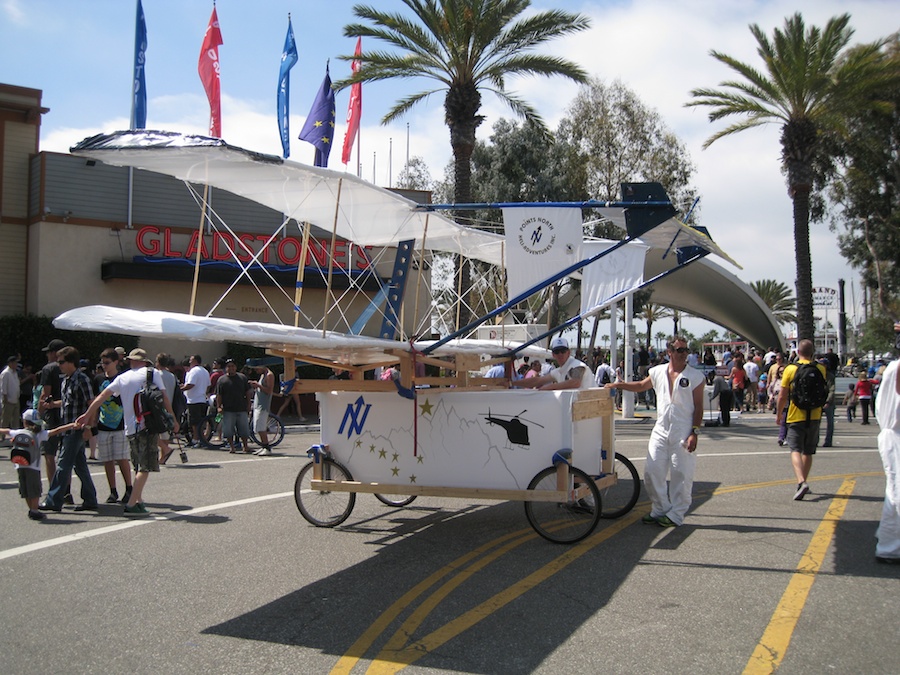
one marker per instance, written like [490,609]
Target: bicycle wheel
[323,508]
[395,500]
[274,428]
[620,498]
[211,432]
[564,522]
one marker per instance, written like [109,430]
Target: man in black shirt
[233,402]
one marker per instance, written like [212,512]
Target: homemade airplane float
[452,434]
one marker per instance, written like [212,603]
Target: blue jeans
[71,456]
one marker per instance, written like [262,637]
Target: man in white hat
[144,445]
[570,373]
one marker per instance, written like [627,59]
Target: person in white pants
[679,405]
[887,412]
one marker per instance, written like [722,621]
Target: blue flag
[288,60]
[139,93]
[319,127]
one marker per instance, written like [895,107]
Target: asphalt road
[227,577]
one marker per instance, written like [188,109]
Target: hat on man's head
[559,343]
[138,355]
[54,346]
[120,351]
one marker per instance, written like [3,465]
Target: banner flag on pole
[139,90]
[208,67]
[354,110]
[319,126]
[607,279]
[289,58]
[539,243]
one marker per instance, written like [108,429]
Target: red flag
[208,66]
[354,111]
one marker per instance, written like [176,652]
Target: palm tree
[651,313]
[777,297]
[811,86]
[465,47]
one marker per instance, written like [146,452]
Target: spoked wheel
[395,500]
[568,521]
[211,432]
[275,429]
[323,508]
[620,498]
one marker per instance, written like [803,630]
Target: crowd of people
[58,414]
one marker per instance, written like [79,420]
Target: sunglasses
[680,350]
[560,350]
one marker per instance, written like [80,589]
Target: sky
[80,54]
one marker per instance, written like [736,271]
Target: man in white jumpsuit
[679,406]
[570,373]
[887,412]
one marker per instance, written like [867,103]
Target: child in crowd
[763,392]
[26,455]
[850,402]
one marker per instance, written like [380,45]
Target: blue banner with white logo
[289,58]
[139,93]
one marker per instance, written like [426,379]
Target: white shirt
[126,385]
[752,371]
[9,385]
[199,377]
[562,373]
[604,368]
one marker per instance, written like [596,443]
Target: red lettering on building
[146,245]
[222,245]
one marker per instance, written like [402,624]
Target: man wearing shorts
[233,402]
[144,445]
[262,400]
[196,382]
[802,432]
[111,442]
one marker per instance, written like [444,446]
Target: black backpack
[809,390]
[150,408]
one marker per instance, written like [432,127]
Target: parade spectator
[143,444]
[11,416]
[50,389]
[196,383]
[605,373]
[802,426]
[721,388]
[738,378]
[828,408]
[233,402]
[864,389]
[171,386]
[292,397]
[75,398]
[679,396]
[263,388]
[751,383]
[111,441]
[887,413]
[850,402]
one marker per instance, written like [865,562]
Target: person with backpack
[804,390]
[142,423]
[26,455]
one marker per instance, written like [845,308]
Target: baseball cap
[31,415]
[559,343]
[54,346]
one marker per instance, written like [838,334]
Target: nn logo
[355,417]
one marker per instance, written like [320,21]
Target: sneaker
[136,510]
[802,489]
[664,521]
[113,497]
[263,452]
[47,506]
[127,496]
[648,519]
[34,514]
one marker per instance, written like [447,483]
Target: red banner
[208,67]
[354,110]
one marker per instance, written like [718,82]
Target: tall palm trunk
[805,324]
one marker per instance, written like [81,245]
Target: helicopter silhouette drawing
[516,430]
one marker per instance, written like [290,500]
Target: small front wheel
[323,508]
[395,500]
[620,498]
[568,521]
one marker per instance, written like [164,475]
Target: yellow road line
[773,645]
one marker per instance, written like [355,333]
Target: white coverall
[674,420]
[887,412]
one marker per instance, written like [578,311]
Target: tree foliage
[777,297]
[812,86]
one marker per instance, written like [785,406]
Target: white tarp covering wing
[608,279]
[330,346]
[359,211]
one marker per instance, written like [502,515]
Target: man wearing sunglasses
[679,412]
[570,373]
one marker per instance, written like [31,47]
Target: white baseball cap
[559,342]
[31,415]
